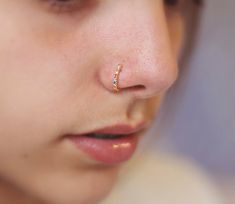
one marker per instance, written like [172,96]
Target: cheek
[37,83]
[42,79]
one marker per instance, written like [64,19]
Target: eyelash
[60,6]
[70,5]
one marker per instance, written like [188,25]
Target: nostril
[134,88]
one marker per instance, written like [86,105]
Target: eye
[64,5]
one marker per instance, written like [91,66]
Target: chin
[90,188]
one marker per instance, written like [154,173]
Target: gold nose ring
[116,78]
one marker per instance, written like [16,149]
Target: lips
[110,145]
[105,136]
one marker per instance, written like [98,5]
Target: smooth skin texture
[57,63]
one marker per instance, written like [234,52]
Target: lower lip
[109,151]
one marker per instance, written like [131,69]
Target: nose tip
[140,80]
[147,81]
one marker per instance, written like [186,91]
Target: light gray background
[198,118]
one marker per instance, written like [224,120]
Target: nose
[136,36]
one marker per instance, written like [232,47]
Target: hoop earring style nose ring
[116,78]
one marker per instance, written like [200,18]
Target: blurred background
[200,119]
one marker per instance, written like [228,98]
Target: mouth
[110,145]
[105,136]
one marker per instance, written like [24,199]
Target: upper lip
[119,129]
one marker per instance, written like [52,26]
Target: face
[58,59]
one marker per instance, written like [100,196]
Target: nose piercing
[116,78]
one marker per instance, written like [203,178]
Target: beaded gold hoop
[116,78]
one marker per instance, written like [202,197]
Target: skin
[56,78]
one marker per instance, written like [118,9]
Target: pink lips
[109,151]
